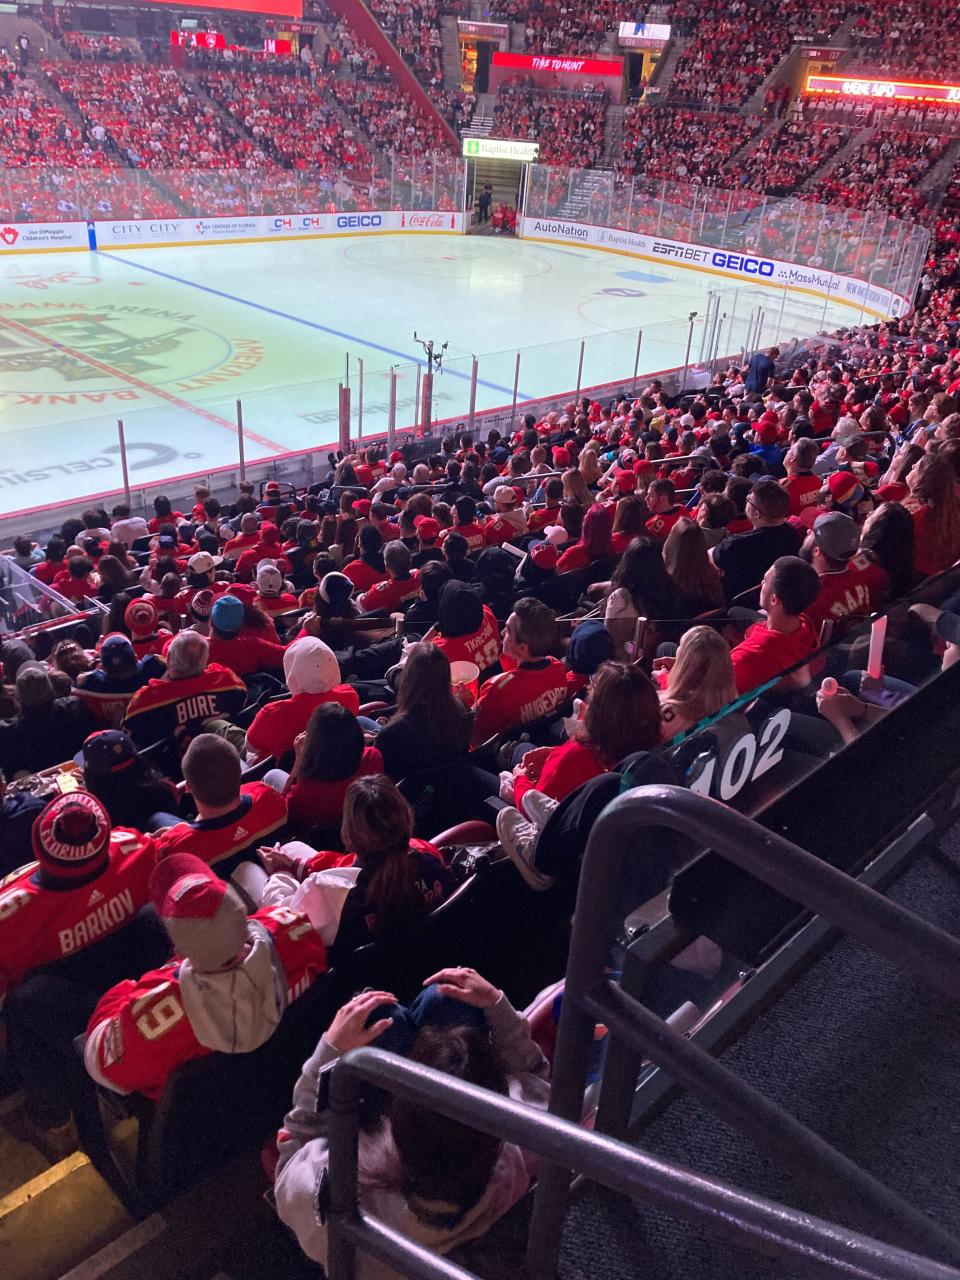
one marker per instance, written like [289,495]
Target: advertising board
[119,234]
[750,268]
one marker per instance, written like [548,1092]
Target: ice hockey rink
[170,338]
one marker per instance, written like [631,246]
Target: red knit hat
[71,838]
[203,915]
[844,487]
[141,616]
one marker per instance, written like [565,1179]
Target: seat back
[218,1105]
[401,963]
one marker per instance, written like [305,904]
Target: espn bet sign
[500,149]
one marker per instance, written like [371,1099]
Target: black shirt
[743,558]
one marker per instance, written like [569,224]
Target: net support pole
[426,417]
[636,361]
[392,413]
[344,407]
[583,345]
[360,402]
[416,401]
[472,417]
[686,358]
[240,453]
[123,461]
[516,384]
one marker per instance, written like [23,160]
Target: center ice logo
[48,349]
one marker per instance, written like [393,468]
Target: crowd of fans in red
[884,173]
[690,146]
[569,127]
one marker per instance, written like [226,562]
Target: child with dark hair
[437,1180]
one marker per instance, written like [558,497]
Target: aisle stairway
[450,52]
[857,1049]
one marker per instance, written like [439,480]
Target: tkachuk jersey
[528,692]
[140,1032]
[40,925]
[481,647]
[179,708]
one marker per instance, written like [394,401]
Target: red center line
[133,381]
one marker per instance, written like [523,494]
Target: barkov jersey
[140,1032]
[39,925]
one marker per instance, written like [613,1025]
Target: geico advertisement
[742,265]
[124,233]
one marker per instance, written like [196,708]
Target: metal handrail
[865,914]
[750,1221]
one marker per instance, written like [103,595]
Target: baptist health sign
[500,149]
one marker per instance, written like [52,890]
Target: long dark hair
[442,1159]
[334,745]
[377,826]
[887,539]
[643,575]
[425,687]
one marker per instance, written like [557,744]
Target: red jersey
[181,601]
[763,653]
[566,768]
[247,652]
[246,565]
[75,589]
[242,542]
[315,803]
[144,646]
[40,925]
[474,534]
[178,708]
[47,570]
[140,1032]
[803,490]
[659,526]
[391,594]
[540,517]
[225,841]
[857,590]
[274,605]
[481,647]
[362,575]
[529,691]
[499,530]
[277,724]
[174,518]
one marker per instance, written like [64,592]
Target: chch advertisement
[119,234]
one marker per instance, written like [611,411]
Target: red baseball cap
[427,528]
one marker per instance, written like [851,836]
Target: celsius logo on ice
[749,266]
[359,220]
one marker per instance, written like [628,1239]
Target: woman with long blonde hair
[935,508]
[590,467]
[575,489]
[700,682]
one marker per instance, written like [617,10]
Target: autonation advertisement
[740,266]
[127,234]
